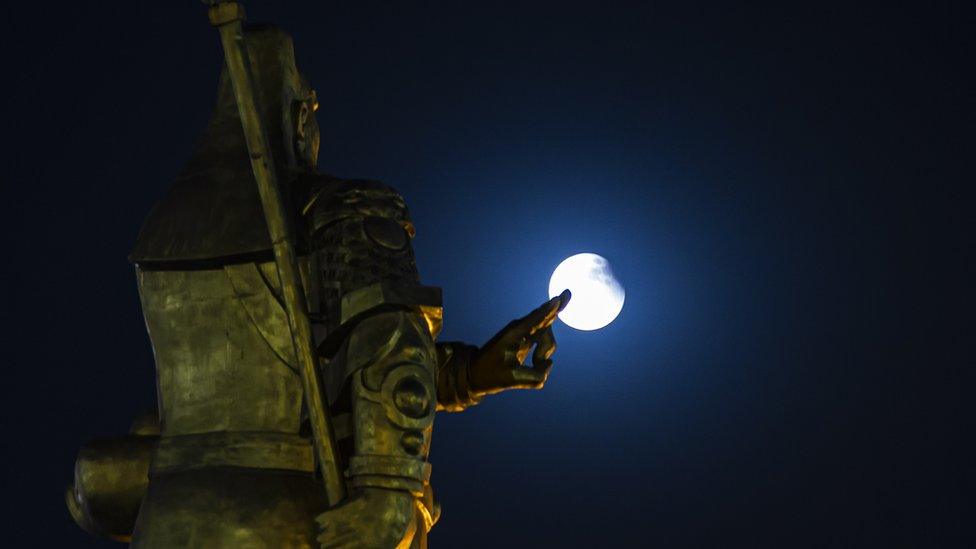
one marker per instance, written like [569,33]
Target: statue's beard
[307,151]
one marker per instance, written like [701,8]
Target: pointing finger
[544,315]
[564,299]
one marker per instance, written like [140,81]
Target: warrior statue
[232,458]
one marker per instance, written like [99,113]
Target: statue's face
[307,131]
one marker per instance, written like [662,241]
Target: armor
[228,460]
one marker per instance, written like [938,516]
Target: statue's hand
[372,517]
[498,365]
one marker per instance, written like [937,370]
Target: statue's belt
[288,452]
[281,451]
[256,450]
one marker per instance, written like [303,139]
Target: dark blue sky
[780,190]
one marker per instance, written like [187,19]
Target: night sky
[780,191]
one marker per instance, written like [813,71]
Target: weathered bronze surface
[235,458]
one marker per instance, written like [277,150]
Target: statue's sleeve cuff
[454,392]
[390,472]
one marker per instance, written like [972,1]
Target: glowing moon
[597,295]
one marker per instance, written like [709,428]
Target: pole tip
[221,13]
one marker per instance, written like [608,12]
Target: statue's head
[213,209]
[285,99]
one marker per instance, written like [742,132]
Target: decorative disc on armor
[385,232]
[412,442]
[408,388]
[412,397]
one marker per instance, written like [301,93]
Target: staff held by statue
[228,18]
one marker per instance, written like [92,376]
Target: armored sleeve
[454,392]
[362,231]
[379,328]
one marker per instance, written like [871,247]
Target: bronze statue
[297,369]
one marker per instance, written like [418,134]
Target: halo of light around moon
[598,297]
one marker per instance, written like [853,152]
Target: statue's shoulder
[331,199]
[215,215]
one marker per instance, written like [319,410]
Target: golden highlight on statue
[298,372]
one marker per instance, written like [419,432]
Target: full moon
[598,296]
